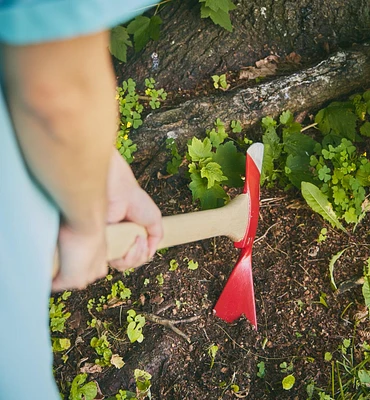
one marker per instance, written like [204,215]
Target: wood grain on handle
[230,221]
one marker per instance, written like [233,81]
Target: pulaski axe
[237,220]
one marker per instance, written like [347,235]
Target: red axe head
[237,297]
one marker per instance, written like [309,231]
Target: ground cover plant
[151,333]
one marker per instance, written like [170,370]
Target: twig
[308,127]
[265,234]
[170,323]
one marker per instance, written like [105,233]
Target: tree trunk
[192,49]
[338,75]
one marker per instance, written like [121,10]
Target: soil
[290,270]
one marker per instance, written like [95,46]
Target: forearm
[65,123]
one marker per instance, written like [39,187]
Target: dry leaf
[90,368]
[117,361]
[293,58]
[265,67]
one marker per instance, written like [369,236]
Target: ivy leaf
[232,163]
[213,173]
[319,203]
[338,118]
[365,129]
[198,149]
[119,41]
[218,16]
[209,198]
[225,5]
[144,29]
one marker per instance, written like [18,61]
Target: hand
[128,202]
[82,258]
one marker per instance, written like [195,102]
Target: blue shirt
[28,218]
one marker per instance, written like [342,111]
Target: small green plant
[332,175]
[119,292]
[124,395]
[57,313]
[135,326]
[131,107]
[101,303]
[212,351]
[173,265]
[285,367]
[160,279]
[102,347]
[350,379]
[81,390]
[60,344]
[176,160]
[156,96]
[220,81]
[323,235]
[192,265]
[143,384]
[261,369]
[214,164]
[236,126]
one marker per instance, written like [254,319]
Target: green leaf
[225,5]
[232,163]
[119,40]
[261,369]
[217,137]
[319,203]
[366,291]
[338,118]
[366,95]
[213,173]
[288,382]
[144,29]
[209,198]
[198,149]
[328,356]
[364,377]
[332,262]
[286,117]
[298,169]
[192,265]
[89,391]
[219,17]
[365,129]
[173,265]
[299,144]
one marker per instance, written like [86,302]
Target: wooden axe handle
[230,221]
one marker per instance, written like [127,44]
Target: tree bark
[192,49]
[338,75]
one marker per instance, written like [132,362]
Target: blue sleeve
[32,21]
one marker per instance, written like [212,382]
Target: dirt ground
[290,270]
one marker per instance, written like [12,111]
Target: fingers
[149,216]
[136,256]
